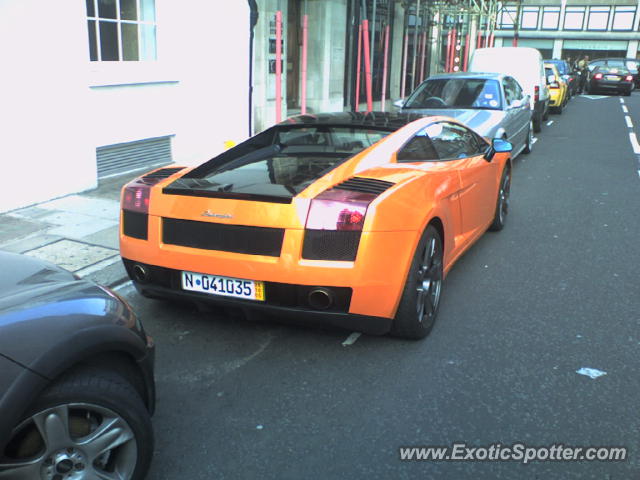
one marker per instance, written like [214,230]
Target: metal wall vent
[125,157]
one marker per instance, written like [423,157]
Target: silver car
[492,104]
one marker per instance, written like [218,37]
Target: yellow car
[558,89]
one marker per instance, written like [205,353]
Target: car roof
[384,120]
[485,75]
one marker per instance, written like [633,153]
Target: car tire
[502,202]
[94,408]
[420,300]
[558,109]
[627,93]
[528,146]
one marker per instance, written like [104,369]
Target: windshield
[562,67]
[281,161]
[457,93]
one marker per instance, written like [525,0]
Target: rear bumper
[555,97]
[375,279]
[612,86]
[294,311]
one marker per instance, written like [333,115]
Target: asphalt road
[525,308]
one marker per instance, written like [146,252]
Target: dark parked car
[76,378]
[631,64]
[610,79]
[572,77]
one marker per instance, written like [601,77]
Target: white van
[526,66]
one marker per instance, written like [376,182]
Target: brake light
[342,210]
[135,196]
[597,76]
[628,78]
[536,93]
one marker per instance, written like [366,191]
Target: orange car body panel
[460,193]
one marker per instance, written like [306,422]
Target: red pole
[454,40]
[278,66]
[357,106]
[424,49]
[303,100]
[514,42]
[367,63]
[466,52]
[491,40]
[404,65]
[384,66]
[448,59]
[479,39]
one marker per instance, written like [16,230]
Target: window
[598,18]
[507,17]
[550,18]
[121,30]
[453,141]
[574,18]
[419,149]
[529,19]
[512,90]
[623,18]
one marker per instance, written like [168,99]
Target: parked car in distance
[610,79]
[631,64]
[76,377]
[302,219]
[558,90]
[526,66]
[568,74]
[491,104]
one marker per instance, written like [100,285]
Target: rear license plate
[223,286]
[612,77]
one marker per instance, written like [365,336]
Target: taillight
[628,78]
[536,93]
[343,210]
[597,76]
[135,197]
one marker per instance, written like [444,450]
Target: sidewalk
[78,232]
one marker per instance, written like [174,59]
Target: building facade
[94,88]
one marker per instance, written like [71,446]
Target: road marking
[634,143]
[622,100]
[625,109]
[351,339]
[549,123]
[534,140]
[627,119]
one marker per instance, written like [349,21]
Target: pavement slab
[72,255]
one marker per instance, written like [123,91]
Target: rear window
[609,69]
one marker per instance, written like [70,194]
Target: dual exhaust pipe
[319,298]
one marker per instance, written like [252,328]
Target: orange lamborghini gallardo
[345,219]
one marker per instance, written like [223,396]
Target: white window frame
[621,11]
[529,11]
[598,11]
[508,18]
[548,13]
[570,13]
[119,21]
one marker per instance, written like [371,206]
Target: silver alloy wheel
[505,187]
[78,442]
[530,137]
[429,282]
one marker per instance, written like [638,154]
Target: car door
[477,196]
[520,115]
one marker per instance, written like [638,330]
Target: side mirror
[399,103]
[498,145]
